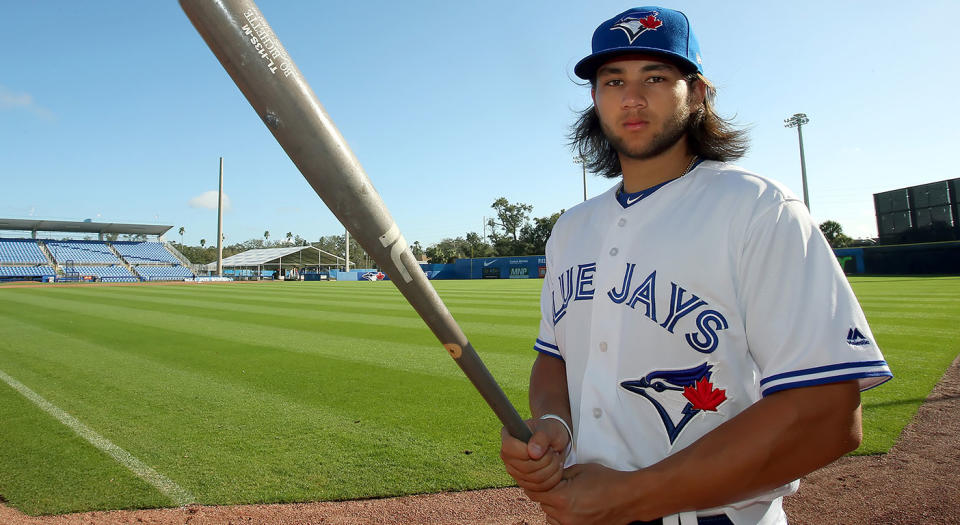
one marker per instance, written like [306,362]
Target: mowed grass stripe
[347,448]
[232,359]
[379,346]
[327,312]
[46,468]
[474,321]
[919,339]
[177,494]
[358,296]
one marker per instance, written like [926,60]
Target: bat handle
[518,429]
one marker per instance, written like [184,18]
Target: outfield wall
[520,267]
[903,259]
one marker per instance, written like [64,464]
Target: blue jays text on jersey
[576,283]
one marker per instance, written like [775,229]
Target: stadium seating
[21,251]
[27,271]
[163,273]
[81,252]
[144,252]
[103,273]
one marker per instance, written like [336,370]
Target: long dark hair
[709,136]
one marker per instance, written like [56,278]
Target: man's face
[643,104]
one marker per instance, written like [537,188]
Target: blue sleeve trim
[828,368]
[551,354]
[545,344]
[828,380]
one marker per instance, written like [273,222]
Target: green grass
[280,392]
[914,320]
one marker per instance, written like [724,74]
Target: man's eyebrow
[609,70]
[658,67]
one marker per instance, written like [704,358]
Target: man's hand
[588,493]
[538,464]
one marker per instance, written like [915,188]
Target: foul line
[170,489]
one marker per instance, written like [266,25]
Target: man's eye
[615,82]
[654,80]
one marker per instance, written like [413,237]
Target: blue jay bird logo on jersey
[634,25]
[693,384]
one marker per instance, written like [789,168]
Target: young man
[700,347]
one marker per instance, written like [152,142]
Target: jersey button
[597,413]
[603,346]
[613,251]
[621,222]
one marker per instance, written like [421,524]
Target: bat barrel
[253,56]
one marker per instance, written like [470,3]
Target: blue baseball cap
[643,30]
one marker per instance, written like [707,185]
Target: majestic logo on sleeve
[672,387]
[855,338]
[635,25]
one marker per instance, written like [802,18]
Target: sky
[116,111]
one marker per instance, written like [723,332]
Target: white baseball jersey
[676,312]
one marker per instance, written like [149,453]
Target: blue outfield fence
[852,260]
[520,267]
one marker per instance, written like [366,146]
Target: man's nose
[633,98]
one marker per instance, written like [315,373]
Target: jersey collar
[629,199]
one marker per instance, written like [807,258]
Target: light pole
[583,163]
[797,121]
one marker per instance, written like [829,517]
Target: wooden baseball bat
[248,49]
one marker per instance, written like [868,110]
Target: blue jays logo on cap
[692,384]
[636,24]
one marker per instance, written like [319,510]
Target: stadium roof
[81,227]
[269,256]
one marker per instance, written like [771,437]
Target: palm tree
[289,237]
[203,242]
[266,236]
[182,230]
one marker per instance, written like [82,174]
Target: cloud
[208,200]
[12,101]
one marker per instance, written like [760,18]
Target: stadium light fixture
[579,159]
[797,121]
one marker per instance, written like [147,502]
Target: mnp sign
[520,267]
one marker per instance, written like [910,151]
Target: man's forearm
[548,388]
[780,438]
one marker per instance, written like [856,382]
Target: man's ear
[698,95]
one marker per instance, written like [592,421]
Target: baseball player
[700,348]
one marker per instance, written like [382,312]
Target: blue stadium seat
[144,252]
[81,252]
[163,273]
[21,251]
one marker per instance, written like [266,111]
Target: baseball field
[115,397]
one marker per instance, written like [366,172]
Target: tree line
[510,232]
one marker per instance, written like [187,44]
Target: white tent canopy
[270,257]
